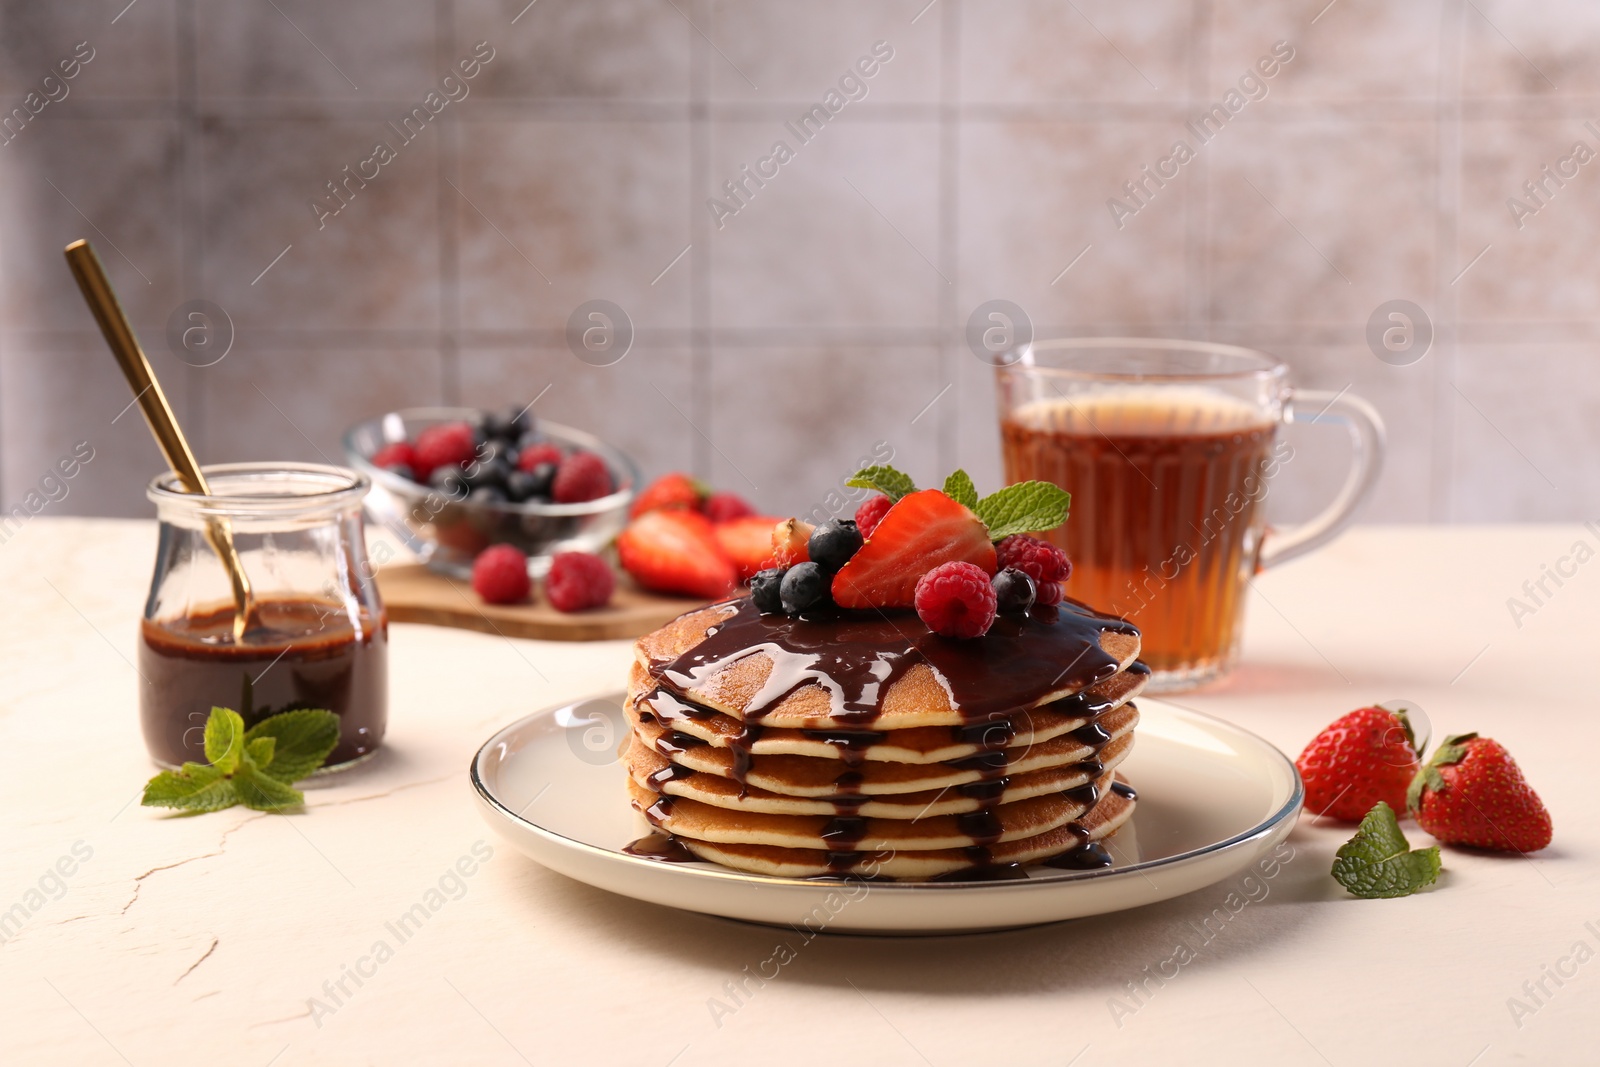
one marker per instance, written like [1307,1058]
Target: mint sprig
[255,767]
[1023,508]
[886,480]
[1379,862]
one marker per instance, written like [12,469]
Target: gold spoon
[102,301]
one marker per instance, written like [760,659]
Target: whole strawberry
[1472,793]
[1364,757]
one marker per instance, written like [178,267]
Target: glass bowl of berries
[450,482]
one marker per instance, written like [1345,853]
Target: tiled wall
[827,313]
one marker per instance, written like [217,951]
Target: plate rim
[1263,828]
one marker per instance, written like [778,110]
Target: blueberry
[488,473]
[496,448]
[486,494]
[521,421]
[544,476]
[765,591]
[520,486]
[500,426]
[803,587]
[450,481]
[528,439]
[403,470]
[1014,591]
[833,543]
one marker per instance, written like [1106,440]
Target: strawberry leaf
[959,487]
[1023,508]
[1451,750]
[886,480]
[1379,862]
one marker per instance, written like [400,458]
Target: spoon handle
[102,301]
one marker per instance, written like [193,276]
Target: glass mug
[318,634]
[1168,449]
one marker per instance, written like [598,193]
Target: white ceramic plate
[1212,800]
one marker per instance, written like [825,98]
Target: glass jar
[317,634]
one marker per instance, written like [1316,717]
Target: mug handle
[1365,427]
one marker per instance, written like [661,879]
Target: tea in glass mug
[1169,449]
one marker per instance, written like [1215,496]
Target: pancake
[809,776]
[1110,813]
[655,772]
[881,670]
[692,820]
[919,744]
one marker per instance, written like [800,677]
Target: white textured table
[194,940]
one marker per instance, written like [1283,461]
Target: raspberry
[500,575]
[534,455]
[1040,560]
[1048,594]
[725,507]
[871,512]
[581,476]
[956,600]
[449,444]
[400,452]
[578,580]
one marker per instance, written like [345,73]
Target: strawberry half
[747,541]
[789,542]
[675,551]
[1472,793]
[921,531]
[1361,758]
[675,490]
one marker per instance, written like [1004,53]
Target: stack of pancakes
[870,747]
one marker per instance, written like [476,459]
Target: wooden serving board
[413,593]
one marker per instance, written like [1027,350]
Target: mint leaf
[195,788]
[959,487]
[260,751]
[886,480]
[224,739]
[302,740]
[1023,508]
[1379,862]
[260,791]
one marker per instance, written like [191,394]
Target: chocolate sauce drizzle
[1092,734]
[845,830]
[674,743]
[658,780]
[852,745]
[857,656]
